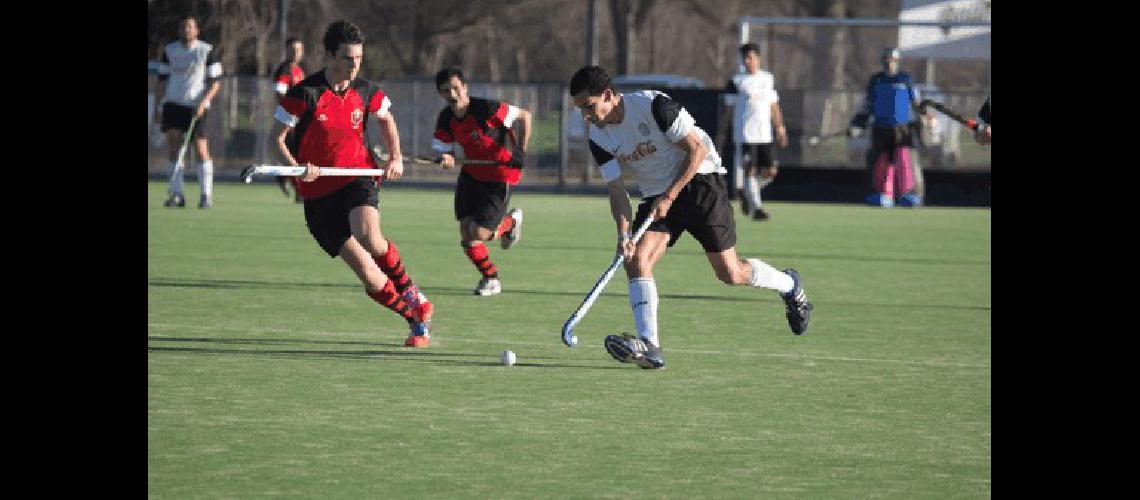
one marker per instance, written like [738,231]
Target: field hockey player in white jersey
[681,180]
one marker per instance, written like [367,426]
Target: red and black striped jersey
[329,128]
[482,132]
[286,75]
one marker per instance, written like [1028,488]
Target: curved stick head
[247,174]
[568,338]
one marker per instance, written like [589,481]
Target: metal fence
[240,120]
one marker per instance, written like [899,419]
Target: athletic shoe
[759,214]
[880,200]
[796,305]
[745,206]
[419,334]
[175,200]
[627,348]
[205,202]
[421,307]
[910,200]
[488,286]
[651,359]
[515,234]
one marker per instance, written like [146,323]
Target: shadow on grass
[464,291]
[404,354]
[770,257]
[437,290]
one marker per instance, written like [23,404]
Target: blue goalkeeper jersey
[889,98]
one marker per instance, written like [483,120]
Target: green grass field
[270,373]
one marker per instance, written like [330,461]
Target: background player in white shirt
[756,109]
[188,77]
[681,180]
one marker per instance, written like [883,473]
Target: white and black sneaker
[796,305]
[515,234]
[627,348]
[175,200]
[488,286]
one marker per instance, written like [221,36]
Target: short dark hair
[291,40]
[749,47]
[444,75]
[340,33]
[593,79]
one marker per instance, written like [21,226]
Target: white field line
[555,343]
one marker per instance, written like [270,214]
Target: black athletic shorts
[485,202]
[178,117]
[327,216]
[757,155]
[887,139]
[702,209]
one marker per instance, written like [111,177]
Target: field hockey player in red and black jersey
[486,130]
[289,73]
[327,113]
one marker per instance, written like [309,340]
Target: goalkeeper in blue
[680,176]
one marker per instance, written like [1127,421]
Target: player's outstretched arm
[523,127]
[394,167]
[622,212]
[778,125]
[693,145]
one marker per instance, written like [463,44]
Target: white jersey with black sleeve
[187,71]
[645,142]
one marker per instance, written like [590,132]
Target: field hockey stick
[568,337]
[183,149]
[286,170]
[428,160]
[970,123]
[815,139]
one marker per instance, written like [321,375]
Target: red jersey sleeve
[499,116]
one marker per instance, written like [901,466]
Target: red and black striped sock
[478,255]
[393,267]
[388,297]
[504,227]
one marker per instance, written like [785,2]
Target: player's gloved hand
[448,161]
[518,158]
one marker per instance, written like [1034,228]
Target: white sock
[206,177]
[765,276]
[175,169]
[643,301]
[753,191]
[764,182]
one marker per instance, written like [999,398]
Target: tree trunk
[492,53]
[520,59]
[622,20]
